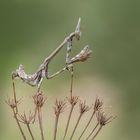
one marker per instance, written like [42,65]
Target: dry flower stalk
[59,108]
[14,92]
[13,105]
[83,108]
[39,100]
[97,106]
[71,84]
[73,101]
[94,128]
[27,120]
[102,120]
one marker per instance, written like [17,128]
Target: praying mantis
[36,79]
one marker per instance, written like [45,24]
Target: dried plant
[83,108]
[39,98]
[97,106]
[59,108]
[102,120]
[73,101]
[13,105]
[27,120]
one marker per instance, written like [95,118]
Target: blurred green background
[31,29]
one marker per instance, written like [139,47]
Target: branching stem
[19,126]
[87,125]
[55,127]
[79,118]
[97,132]
[68,122]
[40,123]
[29,129]
[92,131]
[35,114]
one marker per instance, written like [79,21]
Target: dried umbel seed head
[98,104]
[103,119]
[73,100]
[59,107]
[82,56]
[26,119]
[83,107]
[12,103]
[39,99]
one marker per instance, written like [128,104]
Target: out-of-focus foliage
[31,29]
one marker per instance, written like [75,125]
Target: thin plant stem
[72,106]
[71,86]
[79,118]
[14,92]
[29,129]
[38,89]
[19,126]
[40,123]
[87,125]
[68,122]
[92,131]
[35,114]
[97,132]
[55,127]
